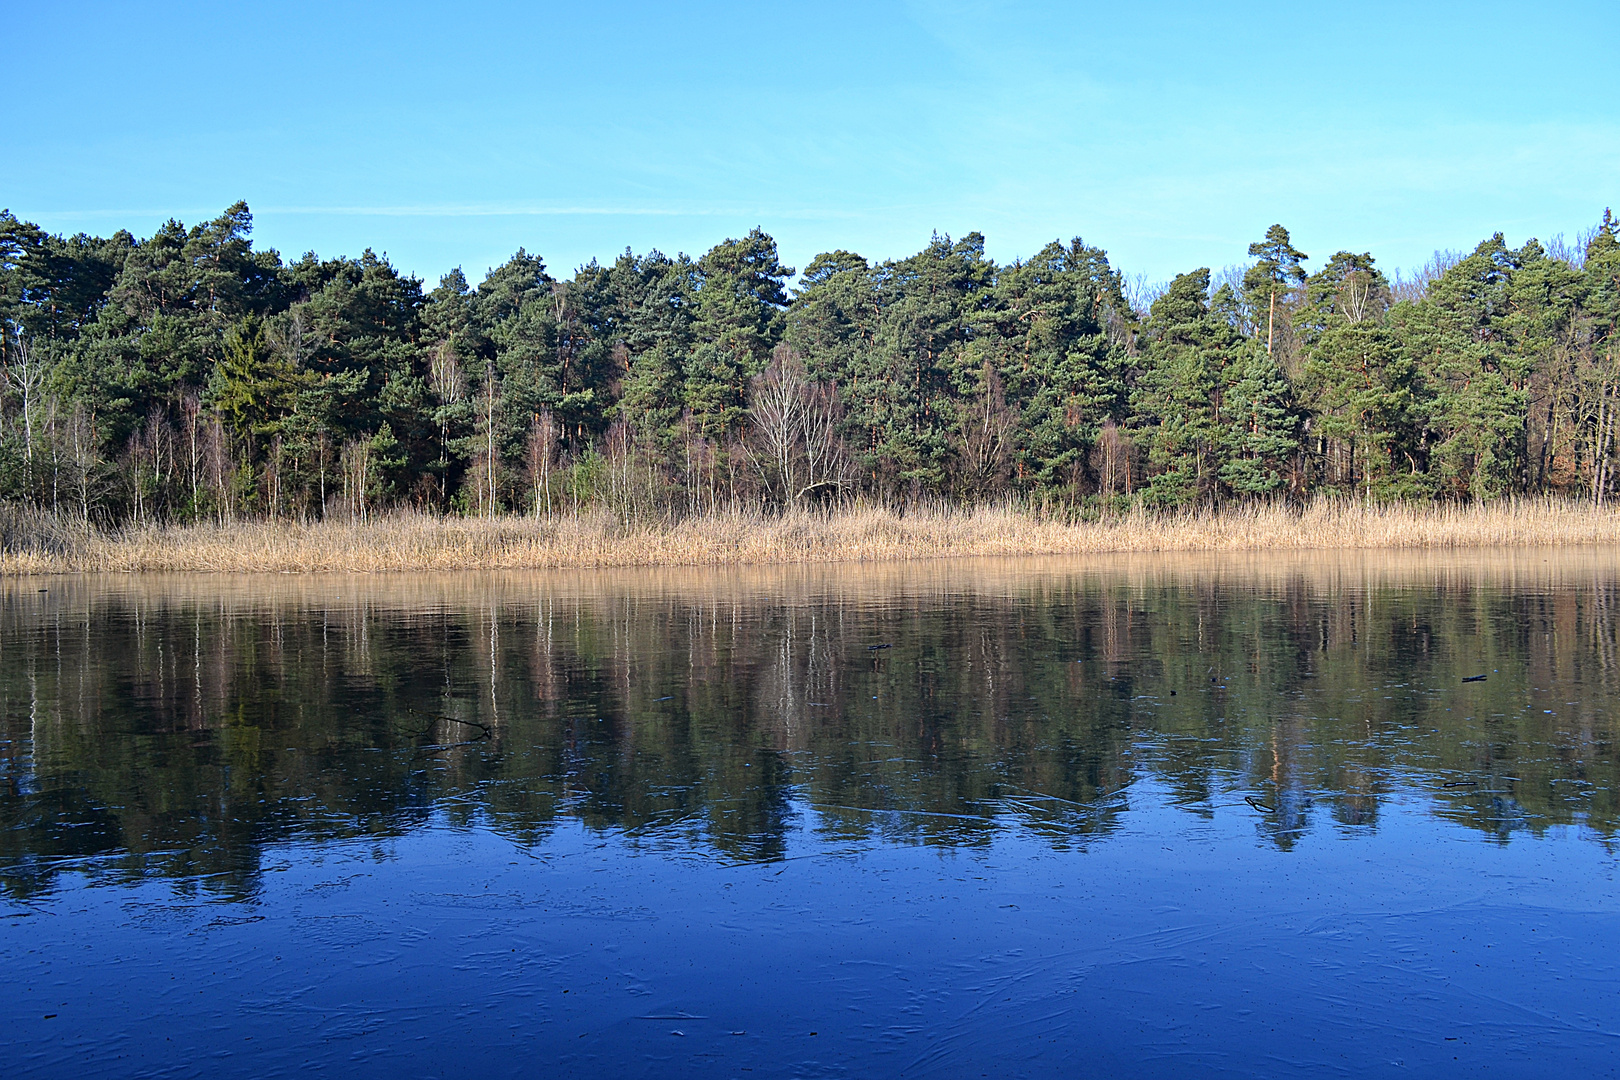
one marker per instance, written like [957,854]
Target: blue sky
[1170,134]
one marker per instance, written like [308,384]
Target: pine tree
[1262,426]
[1178,400]
[1270,281]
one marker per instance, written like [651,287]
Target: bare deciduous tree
[1111,460]
[776,403]
[190,408]
[986,432]
[449,386]
[217,464]
[492,467]
[539,456]
[81,435]
[25,377]
[355,462]
[795,446]
[826,464]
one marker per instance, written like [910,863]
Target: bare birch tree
[776,408]
[190,410]
[25,377]
[82,444]
[795,446]
[449,385]
[355,462]
[540,455]
[826,464]
[491,461]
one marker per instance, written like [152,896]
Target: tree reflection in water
[177,726]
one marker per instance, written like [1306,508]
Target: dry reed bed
[411,542]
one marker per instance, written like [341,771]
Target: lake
[1297,815]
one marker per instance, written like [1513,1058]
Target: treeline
[189,377]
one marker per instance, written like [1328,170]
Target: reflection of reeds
[861,534]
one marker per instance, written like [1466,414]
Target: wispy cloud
[483,210]
[498,210]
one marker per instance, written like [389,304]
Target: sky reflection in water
[1156,815]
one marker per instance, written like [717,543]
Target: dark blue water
[1155,819]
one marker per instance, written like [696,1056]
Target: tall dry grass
[412,542]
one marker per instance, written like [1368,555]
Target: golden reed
[413,542]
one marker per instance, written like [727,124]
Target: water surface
[1242,816]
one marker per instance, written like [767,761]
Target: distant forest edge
[190,377]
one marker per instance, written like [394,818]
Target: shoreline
[411,542]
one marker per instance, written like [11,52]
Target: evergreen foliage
[189,376]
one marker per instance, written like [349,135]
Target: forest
[190,377]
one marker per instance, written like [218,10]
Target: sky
[1169,134]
